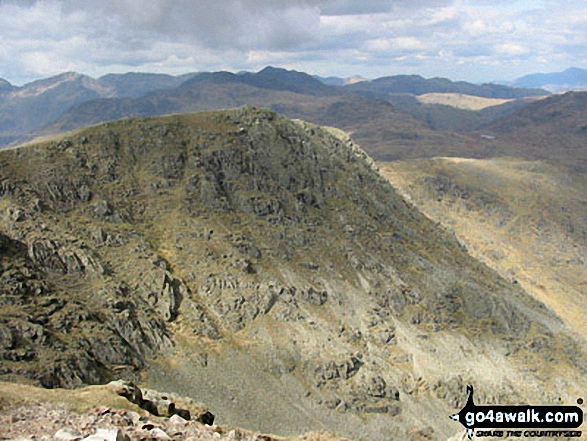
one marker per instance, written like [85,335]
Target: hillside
[135,84]
[108,412]
[261,266]
[417,85]
[25,109]
[461,101]
[553,129]
[525,219]
[5,86]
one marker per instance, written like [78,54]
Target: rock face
[240,257]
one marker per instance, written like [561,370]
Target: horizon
[358,75]
[465,40]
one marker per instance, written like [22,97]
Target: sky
[471,40]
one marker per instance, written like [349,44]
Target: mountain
[261,266]
[5,86]
[337,81]
[540,243]
[135,84]
[571,79]
[296,93]
[553,129]
[34,105]
[286,80]
[390,125]
[417,85]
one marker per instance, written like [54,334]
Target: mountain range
[570,79]
[71,100]
[34,105]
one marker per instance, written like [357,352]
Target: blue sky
[473,40]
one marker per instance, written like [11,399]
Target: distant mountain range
[384,115]
[34,105]
[417,85]
[393,118]
[571,79]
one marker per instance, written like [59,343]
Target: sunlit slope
[461,101]
[525,219]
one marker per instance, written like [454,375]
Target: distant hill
[27,108]
[553,129]
[5,86]
[36,104]
[417,85]
[571,79]
[338,81]
[386,116]
[286,80]
[134,85]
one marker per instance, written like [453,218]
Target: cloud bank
[477,40]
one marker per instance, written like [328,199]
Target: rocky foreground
[28,413]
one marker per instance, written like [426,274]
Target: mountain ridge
[417,85]
[572,78]
[58,96]
[553,129]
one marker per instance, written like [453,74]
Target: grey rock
[102,209]
[128,390]
[177,420]
[157,433]
[108,435]
[67,434]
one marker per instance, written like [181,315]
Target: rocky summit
[261,266]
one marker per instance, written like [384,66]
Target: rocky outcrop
[38,340]
[52,256]
[162,404]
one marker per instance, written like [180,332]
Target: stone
[157,433]
[102,209]
[134,417]
[206,418]
[177,420]
[67,434]
[128,390]
[108,435]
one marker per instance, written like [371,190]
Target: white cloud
[512,49]
[469,39]
[400,44]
